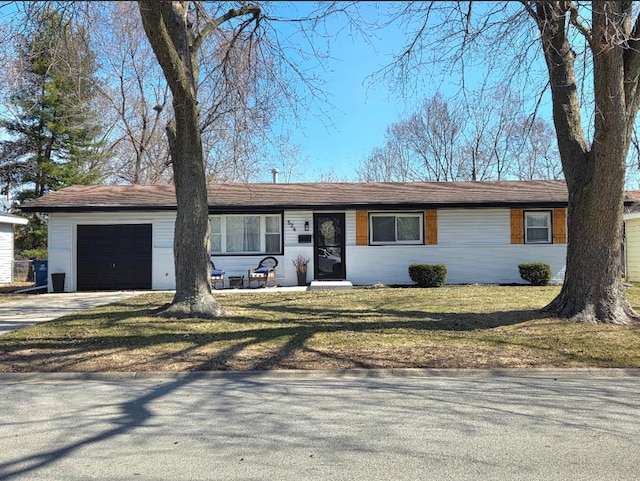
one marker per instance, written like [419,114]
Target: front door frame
[321,250]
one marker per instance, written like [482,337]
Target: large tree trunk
[173,42]
[595,176]
[592,289]
[191,244]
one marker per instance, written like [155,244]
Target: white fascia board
[12,219]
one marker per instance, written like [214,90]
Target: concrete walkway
[249,290]
[45,307]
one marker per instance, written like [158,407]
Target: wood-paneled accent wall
[517,226]
[559,226]
[431,227]
[362,228]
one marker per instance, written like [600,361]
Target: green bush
[537,273]
[428,275]
[40,253]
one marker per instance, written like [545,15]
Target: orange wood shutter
[517,228]
[431,227]
[362,228]
[559,226]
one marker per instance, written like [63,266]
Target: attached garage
[114,257]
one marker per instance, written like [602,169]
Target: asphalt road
[516,425]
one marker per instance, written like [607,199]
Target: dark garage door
[114,257]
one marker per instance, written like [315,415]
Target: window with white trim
[537,227]
[246,234]
[396,228]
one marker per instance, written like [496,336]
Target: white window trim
[549,227]
[262,234]
[419,215]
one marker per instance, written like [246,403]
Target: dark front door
[329,246]
[114,257]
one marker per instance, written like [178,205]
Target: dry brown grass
[450,327]
[7,291]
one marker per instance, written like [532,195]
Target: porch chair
[217,276]
[265,272]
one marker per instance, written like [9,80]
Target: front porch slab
[329,285]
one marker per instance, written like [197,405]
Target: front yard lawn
[449,327]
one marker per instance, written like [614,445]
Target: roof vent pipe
[275,173]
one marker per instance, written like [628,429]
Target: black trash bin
[40,272]
[57,279]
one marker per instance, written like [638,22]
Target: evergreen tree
[54,129]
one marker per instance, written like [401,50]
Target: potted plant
[300,263]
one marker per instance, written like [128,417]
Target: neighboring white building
[121,237]
[7,221]
[632,241]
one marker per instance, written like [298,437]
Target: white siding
[350,227]
[474,227]
[60,233]
[465,264]
[286,273]
[632,233]
[163,232]
[162,262]
[163,269]
[61,248]
[293,226]
[6,253]
[474,244]
[61,257]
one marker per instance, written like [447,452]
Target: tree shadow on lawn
[261,344]
[410,319]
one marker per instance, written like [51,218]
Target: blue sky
[360,111]
[361,114]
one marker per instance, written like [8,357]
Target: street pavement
[355,425]
[35,308]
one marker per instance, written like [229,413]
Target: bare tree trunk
[174,43]
[592,290]
[191,244]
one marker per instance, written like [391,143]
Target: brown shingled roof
[633,195]
[264,196]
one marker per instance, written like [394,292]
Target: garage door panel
[112,257]
[125,281]
[85,248]
[138,248]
